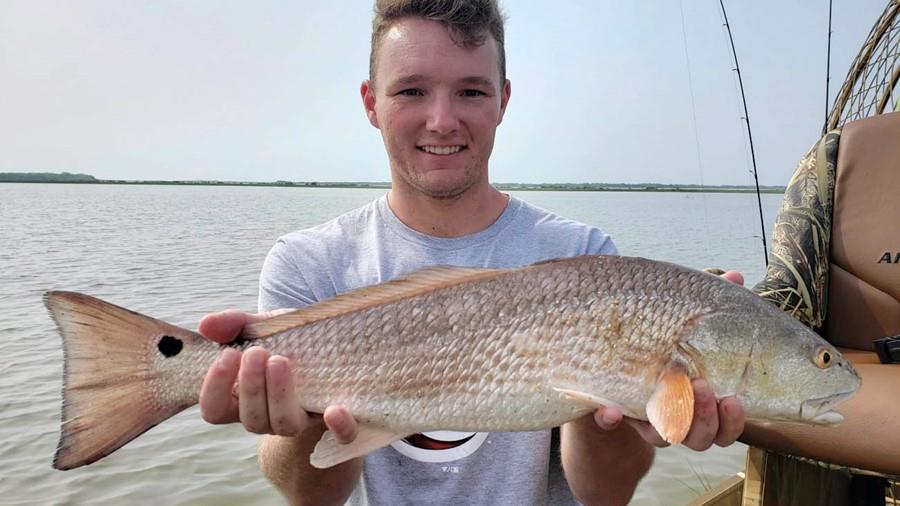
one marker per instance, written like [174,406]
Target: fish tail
[123,373]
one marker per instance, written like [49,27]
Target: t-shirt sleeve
[553,236]
[600,243]
[281,283]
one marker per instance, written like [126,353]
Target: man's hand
[256,389]
[714,422]
[259,391]
[719,422]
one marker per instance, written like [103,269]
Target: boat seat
[836,267]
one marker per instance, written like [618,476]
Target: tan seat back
[864,275]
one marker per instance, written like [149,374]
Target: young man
[437,91]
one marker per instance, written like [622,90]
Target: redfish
[452,348]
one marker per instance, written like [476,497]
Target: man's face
[437,106]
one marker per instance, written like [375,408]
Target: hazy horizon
[336,182]
[601,91]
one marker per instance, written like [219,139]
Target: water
[178,252]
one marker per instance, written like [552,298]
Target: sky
[602,91]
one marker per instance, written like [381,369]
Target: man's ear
[504,99]
[367,91]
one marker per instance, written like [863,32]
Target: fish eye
[824,358]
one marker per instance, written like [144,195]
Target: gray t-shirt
[370,245]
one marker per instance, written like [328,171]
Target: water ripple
[177,253]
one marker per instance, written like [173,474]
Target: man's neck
[472,211]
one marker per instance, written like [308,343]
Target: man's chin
[443,187]
[441,193]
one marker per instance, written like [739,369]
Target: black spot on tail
[170,346]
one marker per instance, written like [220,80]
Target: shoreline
[574,187]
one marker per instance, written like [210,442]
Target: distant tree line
[67,177]
[46,177]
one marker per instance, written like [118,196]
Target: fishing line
[702,195]
[737,68]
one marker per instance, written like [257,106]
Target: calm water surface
[179,252]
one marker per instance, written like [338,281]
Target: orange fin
[418,283]
[329,452]
[671,407]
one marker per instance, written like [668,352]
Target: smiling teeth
[441,150]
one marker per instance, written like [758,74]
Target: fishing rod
[737,68]
[827,69]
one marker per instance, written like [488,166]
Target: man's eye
[472,93]
[411,92]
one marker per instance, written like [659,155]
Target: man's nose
[442,115]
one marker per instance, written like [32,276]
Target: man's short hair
[468,21]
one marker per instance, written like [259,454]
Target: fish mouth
[819,412]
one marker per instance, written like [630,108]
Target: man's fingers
[217,404]
[714,422]
[224,326]
[735,277]
[731,421]
[256,391]
[607,418]
[705,425]
[341,423]
[286,417]
[252,400]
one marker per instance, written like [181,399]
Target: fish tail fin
[123,373]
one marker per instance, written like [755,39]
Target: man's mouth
[441,150]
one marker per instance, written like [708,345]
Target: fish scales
[468,349]
[508,339]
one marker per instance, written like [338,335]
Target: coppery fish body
[492,350]
[512,338]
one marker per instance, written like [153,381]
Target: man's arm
[285,463]
[603,466]
[265,402]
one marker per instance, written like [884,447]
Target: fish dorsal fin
[563,260]
[404,287]
[671,407]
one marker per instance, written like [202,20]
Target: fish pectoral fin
[329,452]
[585,399]
[671,407]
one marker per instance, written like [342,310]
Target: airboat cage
[871,84]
